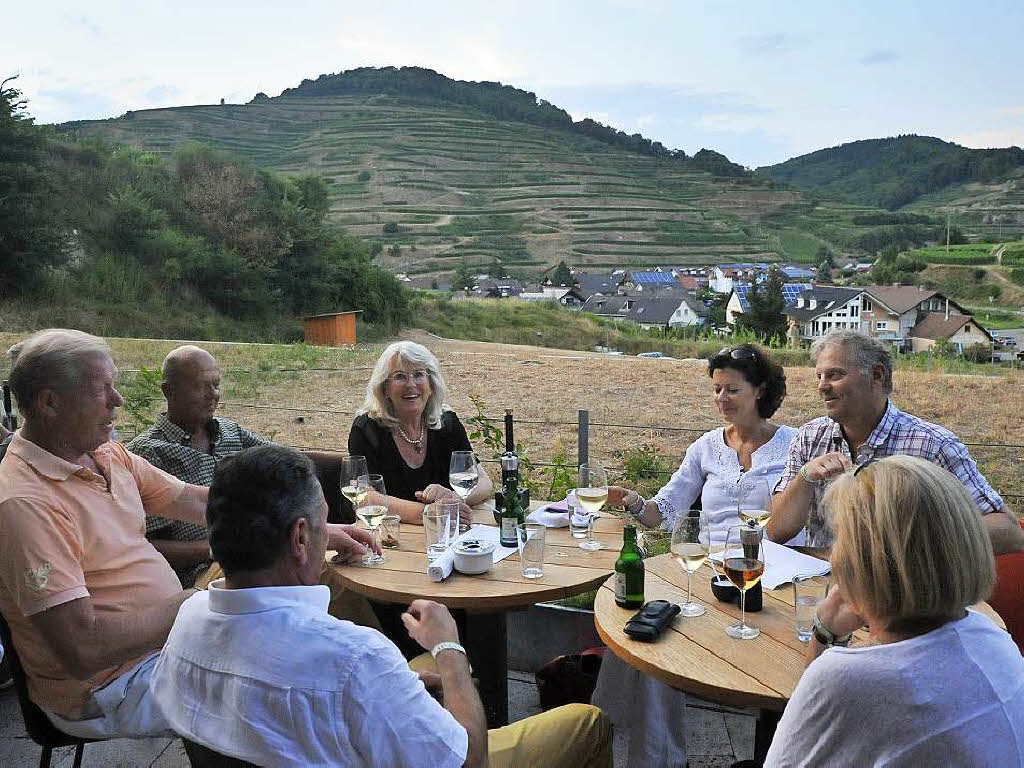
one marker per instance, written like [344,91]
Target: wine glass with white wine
[743,563]
[352,467]
[463,475]
[591,494]
[754,501]
[371,508]
[690,543]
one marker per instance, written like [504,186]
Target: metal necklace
[417,445]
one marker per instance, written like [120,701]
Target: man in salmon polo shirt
[88,599]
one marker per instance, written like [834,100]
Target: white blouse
[711,470]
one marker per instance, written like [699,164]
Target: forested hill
[893,172]
[504,102]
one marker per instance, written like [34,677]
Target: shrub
[363,176]
[390,228]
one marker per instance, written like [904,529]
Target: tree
[562,275]
[497,270]
[32,233]
[825,272]
[463,277]
[766,316]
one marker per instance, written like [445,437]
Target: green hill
[432,176]
[928,172]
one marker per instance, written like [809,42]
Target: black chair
[204,757]
[40,729]
[328,472]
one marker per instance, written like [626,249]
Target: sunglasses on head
[736,353]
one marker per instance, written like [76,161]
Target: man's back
[265,674]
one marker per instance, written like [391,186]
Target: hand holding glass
[690,543]
[371,507]
[743,562]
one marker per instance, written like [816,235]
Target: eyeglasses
[401,377]
[736,353]
[867,463]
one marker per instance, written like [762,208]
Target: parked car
[657,355]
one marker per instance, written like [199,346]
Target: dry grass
[551,385]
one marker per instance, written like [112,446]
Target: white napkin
[440,568]
[554,515]
[783,563]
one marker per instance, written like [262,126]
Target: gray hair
[377,406]
[53,359]
[864,351]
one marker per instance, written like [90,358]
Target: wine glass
[463,475]
[591,494]
[743,562]
[352,467]
[690,543]
[754,501]
[371,508]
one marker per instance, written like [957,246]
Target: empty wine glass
[743,563]
[591,494]
[690,543]
[371,508]
[352,467]
[463,475]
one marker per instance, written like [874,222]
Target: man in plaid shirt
[854,375]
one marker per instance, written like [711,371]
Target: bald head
[191,384]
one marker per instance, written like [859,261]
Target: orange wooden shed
[334,329]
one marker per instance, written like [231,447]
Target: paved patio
[715,737]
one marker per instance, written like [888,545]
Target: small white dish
[474,556]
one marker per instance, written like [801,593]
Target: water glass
[579,519]
[436,529]
[531,549]
[390,527]
[451,507]
[808,591]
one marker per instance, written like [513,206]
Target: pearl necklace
[417,445]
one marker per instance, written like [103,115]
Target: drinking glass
[579,520]
[690,544]
[371,507]
[352,467]
[436,529]
[754,501]
[390,531]
[743,562]
[808,591]
[451,507]
[531,549]
[462,473]
[591,494]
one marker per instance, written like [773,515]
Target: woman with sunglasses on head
[941,684]
[748,452]
[721,464]
[408,434]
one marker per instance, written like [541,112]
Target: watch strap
[826,637]
[448,646]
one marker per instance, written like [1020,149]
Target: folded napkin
[440,568]
[553,515]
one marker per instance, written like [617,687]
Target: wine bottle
[512,512]
[510,452]
[629,572]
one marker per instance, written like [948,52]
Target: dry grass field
[311,406]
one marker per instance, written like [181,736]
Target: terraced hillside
[435,184]
[992,212]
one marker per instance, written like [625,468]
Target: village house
[822,309]
[961,331]
[739,303]
[890,313]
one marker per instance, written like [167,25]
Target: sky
[758,81]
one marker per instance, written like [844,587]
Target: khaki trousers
[573,736]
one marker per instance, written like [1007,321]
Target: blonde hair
[52,359]
[910,546]
[376,404]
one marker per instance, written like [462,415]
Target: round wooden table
[695,655]
[568,571]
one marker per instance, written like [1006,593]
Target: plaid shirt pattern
[169,447]
[896,433]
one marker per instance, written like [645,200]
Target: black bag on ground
[569,679]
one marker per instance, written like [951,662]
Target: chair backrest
[328,472]
[1008,596]
[37,724]
[204,757]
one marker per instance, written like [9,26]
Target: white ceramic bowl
[474,556]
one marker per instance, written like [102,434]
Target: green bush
[363,176]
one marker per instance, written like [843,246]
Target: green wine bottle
[511,514]
[629,572]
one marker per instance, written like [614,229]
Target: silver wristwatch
[826,637]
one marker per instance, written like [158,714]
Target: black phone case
[651,620]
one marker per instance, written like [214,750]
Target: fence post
[583,436]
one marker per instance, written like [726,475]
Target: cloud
[73,104]
[992,139]
[163,93]
[90,25]
[882,56]
[770,45]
